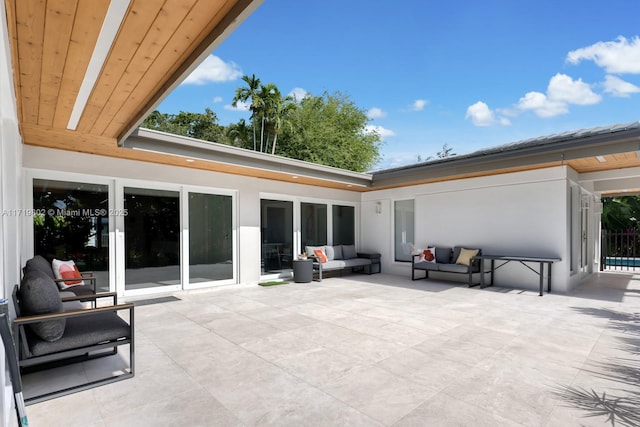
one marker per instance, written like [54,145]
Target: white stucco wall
[523,213]
[249,191]
[10,181]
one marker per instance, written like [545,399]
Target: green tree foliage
[621,213]
[269,111]
[194,125]
[330,130]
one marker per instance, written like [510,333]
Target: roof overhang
[589,150]
[92,70]
[244,162]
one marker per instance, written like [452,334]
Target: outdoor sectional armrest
[25,320]
[91,279]
[94,297]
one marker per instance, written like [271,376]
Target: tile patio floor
[375,350]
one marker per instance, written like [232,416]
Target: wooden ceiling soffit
[150,92]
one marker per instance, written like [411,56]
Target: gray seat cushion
[39,295]
[334,264]
[454,268]
[430,266]
[356,262]
[84,331]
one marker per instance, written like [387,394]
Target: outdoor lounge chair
[48,334]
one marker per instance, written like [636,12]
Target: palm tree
[239,134]
[243,94]
[281,117]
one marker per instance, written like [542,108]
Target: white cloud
[620,56]
[376,113]
[419,104]
[217,99]
[240,106]
[618,87]
[480,114]
[383,132]
[214,70]
[563,88]
[561,92]
[298,93]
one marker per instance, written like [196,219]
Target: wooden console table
[522,260]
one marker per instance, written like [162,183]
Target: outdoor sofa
[457,260]
[342,258]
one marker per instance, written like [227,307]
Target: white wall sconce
[379,208]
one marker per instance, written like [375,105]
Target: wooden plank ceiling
[156,44]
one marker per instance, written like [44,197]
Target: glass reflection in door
[152,238]
[71,222]
[210,237]
[276,225]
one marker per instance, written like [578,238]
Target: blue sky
[468,74]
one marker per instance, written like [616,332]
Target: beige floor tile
[379,394]
[364,351]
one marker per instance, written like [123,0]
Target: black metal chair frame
[29,362]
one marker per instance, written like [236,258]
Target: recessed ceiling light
[190,160]
[601,159]
[294,176]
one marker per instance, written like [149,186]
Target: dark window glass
[313,227]
[210,237]
[276,225]
[344,225]
[152,238]
[71,222]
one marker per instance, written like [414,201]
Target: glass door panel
[276,225]
[71,222]
[210,238]
[313,224]
[344,225]
[152,238]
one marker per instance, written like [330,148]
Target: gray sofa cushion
[84,331]
[333,252]
[334,264]
[39,295]
[39,263]
[338,264]
[431,266]
[349,252]
[453,268]
[443,254]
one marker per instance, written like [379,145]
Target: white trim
[110,26]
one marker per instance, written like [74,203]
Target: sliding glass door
[276,225]
[211,239]
[71,222]
[151,239]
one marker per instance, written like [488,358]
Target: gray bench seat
[341,257]
[447,260]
